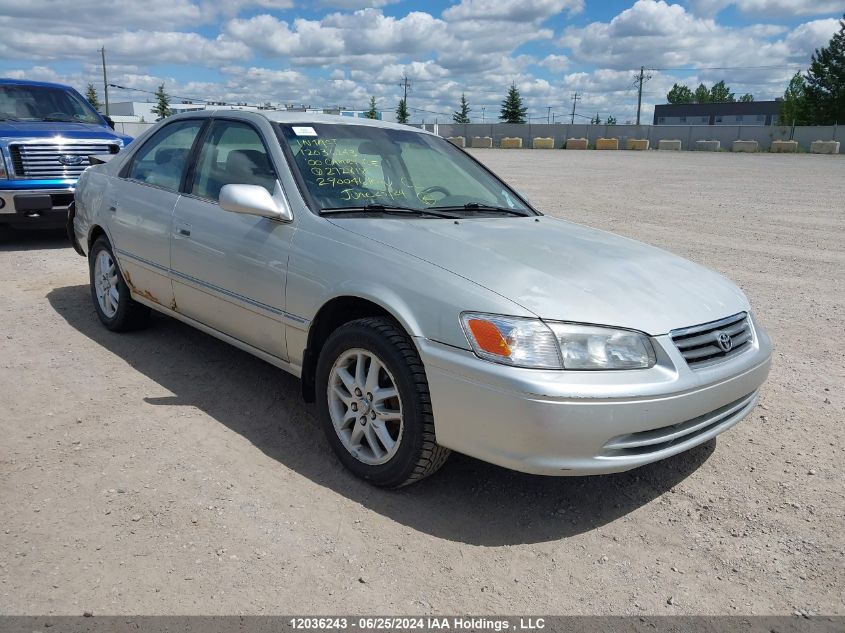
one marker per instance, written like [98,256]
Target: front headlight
[533,343]
[592,347]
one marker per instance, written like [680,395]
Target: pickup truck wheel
[112,300]
[374,404]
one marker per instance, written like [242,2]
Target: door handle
[183,229]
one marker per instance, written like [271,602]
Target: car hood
[46,129]
[564,271]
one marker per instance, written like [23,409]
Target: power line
[169,95]
[728,68]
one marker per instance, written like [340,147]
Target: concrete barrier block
[576,143]
[707,146]
[824,147]
[669,144]
[482,141]
[511,142]
[541,142]
[636,144]
[748,147]
[782,147]
[460,141]
[607,143]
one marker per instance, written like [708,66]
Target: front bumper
[35,207]
[582,422]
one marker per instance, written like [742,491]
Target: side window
[162,159]
[232,154]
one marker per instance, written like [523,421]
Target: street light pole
[105,80]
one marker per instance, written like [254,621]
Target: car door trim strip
[174,274]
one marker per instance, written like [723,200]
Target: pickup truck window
[232,153]
[162,159]
[20,102]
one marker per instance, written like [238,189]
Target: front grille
[708,342]
[52,160]
[655,440]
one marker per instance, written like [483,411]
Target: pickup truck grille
[51,160]
[716,340]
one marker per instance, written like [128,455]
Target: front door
[142,200]
[229,269]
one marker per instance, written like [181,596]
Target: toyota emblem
[724,341]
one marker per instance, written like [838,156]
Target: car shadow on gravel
[32,239]
[468,500]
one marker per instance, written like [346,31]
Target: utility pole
[404,85]
[549,115]
[638,81]
[575,99]
[483,108]
[105,80]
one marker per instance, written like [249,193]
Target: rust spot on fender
[149,296]
[173,305]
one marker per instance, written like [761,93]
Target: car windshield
[376,169]
[43,103]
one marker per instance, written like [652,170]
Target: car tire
[382,348]
[112,300]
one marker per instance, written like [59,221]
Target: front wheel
[112,300]
[374,404]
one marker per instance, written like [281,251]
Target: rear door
[141,201]
[229,269]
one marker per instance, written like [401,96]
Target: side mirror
[110,121]
[254,200]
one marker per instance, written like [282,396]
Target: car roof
[282,116]
[5,81]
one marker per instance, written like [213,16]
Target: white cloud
[768,8]
[153,47]
[511,10]
[555,63]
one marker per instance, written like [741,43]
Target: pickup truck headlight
[535,344]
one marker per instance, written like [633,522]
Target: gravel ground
[164,472]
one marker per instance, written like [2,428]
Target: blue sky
[340,52]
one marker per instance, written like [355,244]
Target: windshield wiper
[5,117]
[57,119]
[386,208]
[477,206]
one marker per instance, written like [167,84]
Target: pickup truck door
[229,269]
[141,201]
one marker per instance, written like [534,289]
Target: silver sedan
[425,304]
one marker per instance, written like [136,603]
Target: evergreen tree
[793,108]
[824,90]
[91,96]
[702,94]
[747,98]
[462,115]
[720,93]
[680,94]
[611,120]
[372,113]
[162,106]
[402,115]
[512,109]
